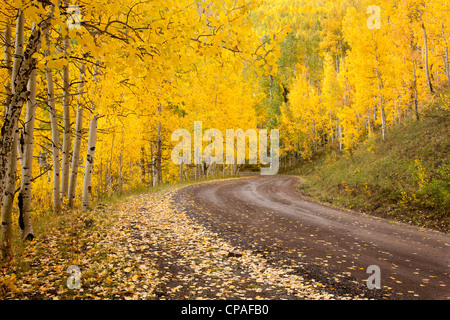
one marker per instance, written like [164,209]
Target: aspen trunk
[27,162]
[89,165]
[447,68]
[181,172]
[5,244]
[380,89]
[120,173]
[159,149]
[7,63]
[26,64]
[65,164]
[416,103]
[154,176]
[425,48]
[55,134]
[8,200]
[77,140]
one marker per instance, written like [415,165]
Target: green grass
[405,178]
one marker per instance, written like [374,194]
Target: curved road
[268,216]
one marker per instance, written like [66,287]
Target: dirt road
[268,216]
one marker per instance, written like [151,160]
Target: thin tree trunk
[5,244]
[152,167]
[100,191]
[18,98]
[55,134]
[7,63]
[65,165]
[27,162]
[425,47]
[120,172]
[380,88]
[77,139]
[108,176]
[447,68]
[154,175]
[8,200]
[415,95]
[159,149]
[89,166]
[181,172]
[413,60]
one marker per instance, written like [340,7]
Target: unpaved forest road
[267,215]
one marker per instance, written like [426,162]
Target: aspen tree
[55,140]
[65,164]
[78,138]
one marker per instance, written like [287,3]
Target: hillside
[405,178]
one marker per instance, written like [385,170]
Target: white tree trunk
[159,149]
[26,64]
[77,140]
[10,187]
[7,63]
[65,168]
[89,166]
[447,68]
[380,89]
[55,134]
[27,162]
[5,244]
[425,48]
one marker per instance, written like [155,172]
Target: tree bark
[89,165]
[380,88]
[425,47]
[77,140]
[415,95]
[65,164]
[18,98]
[55,134]
[7,63]
[447,68]
[119,185]
[5,244]
[27,162]
[8,200]
[159,149]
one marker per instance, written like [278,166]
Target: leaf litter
[145,248]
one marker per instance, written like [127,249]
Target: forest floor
[143,248]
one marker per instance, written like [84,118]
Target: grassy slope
[405,178]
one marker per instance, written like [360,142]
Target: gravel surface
[324,248]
